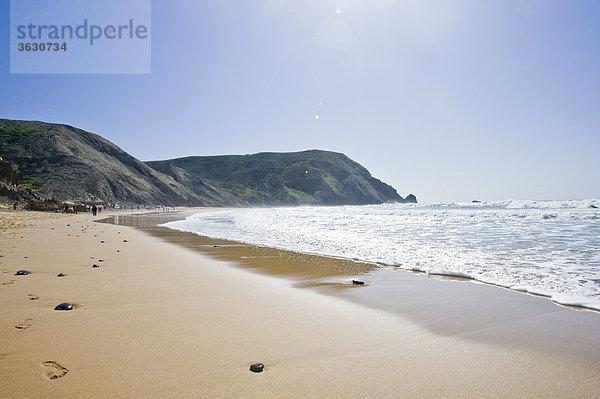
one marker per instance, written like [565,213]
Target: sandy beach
[157,319]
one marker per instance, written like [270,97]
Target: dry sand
[160,320]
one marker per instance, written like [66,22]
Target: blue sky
[451,100]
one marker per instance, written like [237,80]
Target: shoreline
[482,311]
[536,250]
[157,319]
[444,275]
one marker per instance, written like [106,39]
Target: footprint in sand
[53,370]
[24,325]
[6,283]
[32,297]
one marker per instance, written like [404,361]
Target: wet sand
[158,319]
[446,306]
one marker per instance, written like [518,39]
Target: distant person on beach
[15,205]
[94,210]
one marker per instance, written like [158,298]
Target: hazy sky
[449,100]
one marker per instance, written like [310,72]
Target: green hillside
[69,164]
[308,177]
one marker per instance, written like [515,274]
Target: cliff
[307,177]
[70,164]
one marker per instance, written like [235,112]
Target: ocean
[550,248]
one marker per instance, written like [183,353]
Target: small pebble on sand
[257,368]
[64,306]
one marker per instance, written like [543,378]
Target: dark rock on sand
[257,368]
[22,273]
[358,282]
[64,306]
[60,275]
[95,266]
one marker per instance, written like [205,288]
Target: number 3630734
[42,46]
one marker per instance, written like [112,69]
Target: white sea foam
[550,248]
